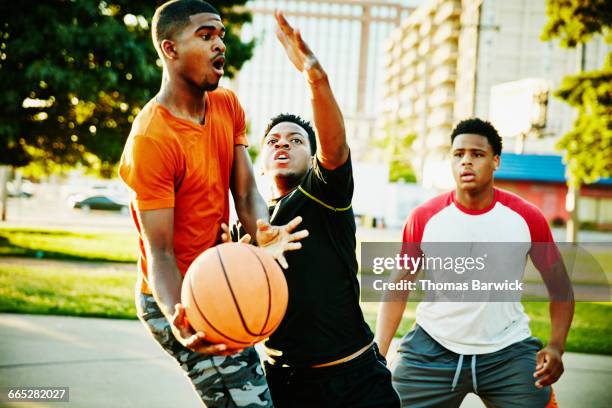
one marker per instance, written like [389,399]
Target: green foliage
[401,170]
[574,22]
[588,146]
[84,69]
[398,150]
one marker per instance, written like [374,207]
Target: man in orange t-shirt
[186,149]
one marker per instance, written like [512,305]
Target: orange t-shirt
[170,162]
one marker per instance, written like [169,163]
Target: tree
[588,146]
[396,147]
[575,22]
[76,73]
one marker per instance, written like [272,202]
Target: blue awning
[535,167]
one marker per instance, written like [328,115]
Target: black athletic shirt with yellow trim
[323,321]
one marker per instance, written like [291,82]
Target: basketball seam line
[193,296]
[229,285]
[265,271]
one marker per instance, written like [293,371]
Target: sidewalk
[114,363]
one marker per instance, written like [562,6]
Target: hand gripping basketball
[195,341]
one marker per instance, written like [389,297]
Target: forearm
[389,317]
[165,281]
[561,314]
[328,121]
[249,208]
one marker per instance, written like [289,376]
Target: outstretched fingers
[298,235]
[293,246]
[282,261]
[291,225]
[283,23]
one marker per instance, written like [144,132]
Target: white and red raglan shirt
[480,327]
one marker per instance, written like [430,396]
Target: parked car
[23,189]
[101,202]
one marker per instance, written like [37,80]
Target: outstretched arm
[250,206]
[332,149]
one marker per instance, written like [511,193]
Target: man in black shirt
[322,354]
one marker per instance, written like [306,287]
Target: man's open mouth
[281,157]
[218,64]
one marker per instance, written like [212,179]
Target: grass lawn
[107,291]
[87,289]
[72,290]
[70,245]
[591,330]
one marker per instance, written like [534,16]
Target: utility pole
[573,189]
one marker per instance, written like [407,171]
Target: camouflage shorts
[220,381]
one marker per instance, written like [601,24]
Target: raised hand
[296,48]
[277,239]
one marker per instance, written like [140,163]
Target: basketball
[235,293]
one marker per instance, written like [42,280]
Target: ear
[168,48]
[497,161]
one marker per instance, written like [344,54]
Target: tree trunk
[573,190]
[4,176]
[571,204]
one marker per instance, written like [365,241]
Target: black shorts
[362,382]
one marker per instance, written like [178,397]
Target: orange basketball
[235,293]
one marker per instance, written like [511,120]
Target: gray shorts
[425,374]
[220,381]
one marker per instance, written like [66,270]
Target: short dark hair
[171,17]
[480,127]
[304,124]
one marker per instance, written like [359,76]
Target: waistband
[347,358]
[369,356]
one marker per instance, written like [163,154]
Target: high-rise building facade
[447,57]
[348,37]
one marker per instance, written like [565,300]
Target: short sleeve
[240,137]
[149,171]
[544,252]
[412,234]
[334,188]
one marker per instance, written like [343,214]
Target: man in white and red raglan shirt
[483,347]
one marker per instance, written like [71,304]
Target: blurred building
[454,59]
[348,37]
[540,179]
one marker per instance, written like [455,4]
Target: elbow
[336,159]
[159,254]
